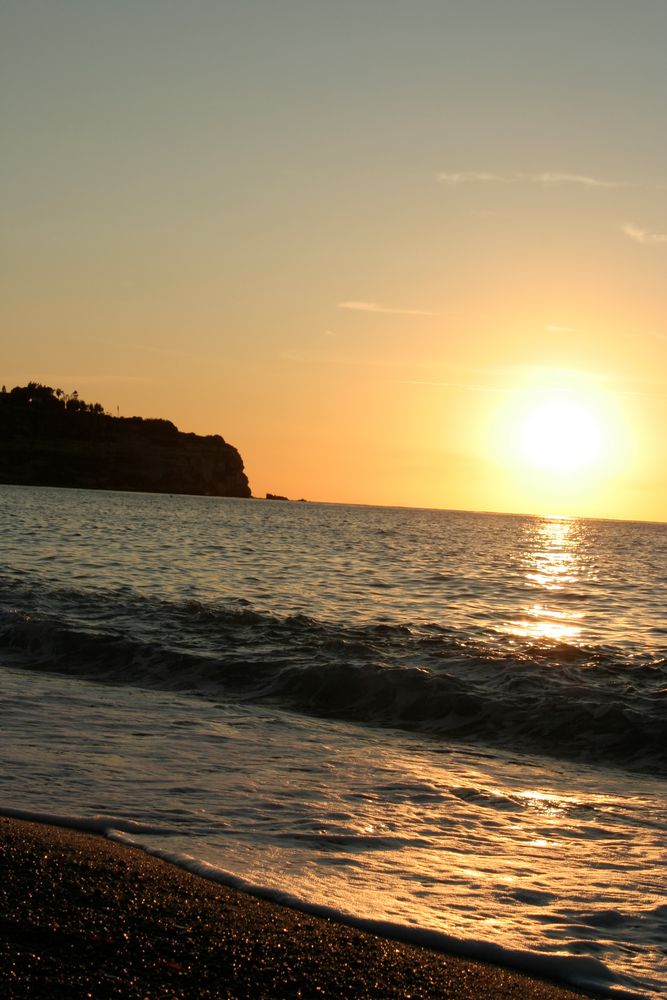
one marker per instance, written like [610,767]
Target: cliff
[50,439]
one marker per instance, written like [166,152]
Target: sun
[557,435]
[562,435]
[559,441]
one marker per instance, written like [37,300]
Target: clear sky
[397,253]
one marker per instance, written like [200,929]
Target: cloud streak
[376,307]
[325,358]
[469,386]
[547,179]
[92,378]
[643,235]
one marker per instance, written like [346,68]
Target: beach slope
[82,916]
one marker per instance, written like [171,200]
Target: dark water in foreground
[453,721]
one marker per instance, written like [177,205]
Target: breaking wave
[586,703]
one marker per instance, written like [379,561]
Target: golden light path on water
[553,566]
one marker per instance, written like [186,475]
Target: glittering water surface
[451,722]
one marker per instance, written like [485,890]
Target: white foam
[104,825]
[582,972]
[504,859]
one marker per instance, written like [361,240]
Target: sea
[447,727]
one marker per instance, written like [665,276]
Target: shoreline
[81,915]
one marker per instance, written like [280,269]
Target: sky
[396,253]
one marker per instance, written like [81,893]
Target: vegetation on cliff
[49,438]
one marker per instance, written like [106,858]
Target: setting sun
[561,434]
[561,440]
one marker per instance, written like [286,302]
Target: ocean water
[449,727]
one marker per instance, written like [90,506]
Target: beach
[82,916]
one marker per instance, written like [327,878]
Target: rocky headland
[48,438]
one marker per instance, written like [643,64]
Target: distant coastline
[50,438]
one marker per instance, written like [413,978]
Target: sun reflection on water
[543,623]
[552,567]
[545,802]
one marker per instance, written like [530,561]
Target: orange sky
[374,246]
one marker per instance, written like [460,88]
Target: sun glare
[561,434]
[558,440]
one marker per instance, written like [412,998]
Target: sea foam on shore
[82,915]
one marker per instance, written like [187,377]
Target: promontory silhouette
[49,438]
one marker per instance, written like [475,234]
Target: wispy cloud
[82,379]
[138,346]
[316,357]
[470,386]
[547,179]
[376,307]
[474,177]
[643,235]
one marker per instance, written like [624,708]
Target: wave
[582,971]
[591,704]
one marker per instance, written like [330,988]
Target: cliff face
[47,441]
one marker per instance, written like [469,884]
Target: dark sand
[81,916]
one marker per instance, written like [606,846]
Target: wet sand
[82,916]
